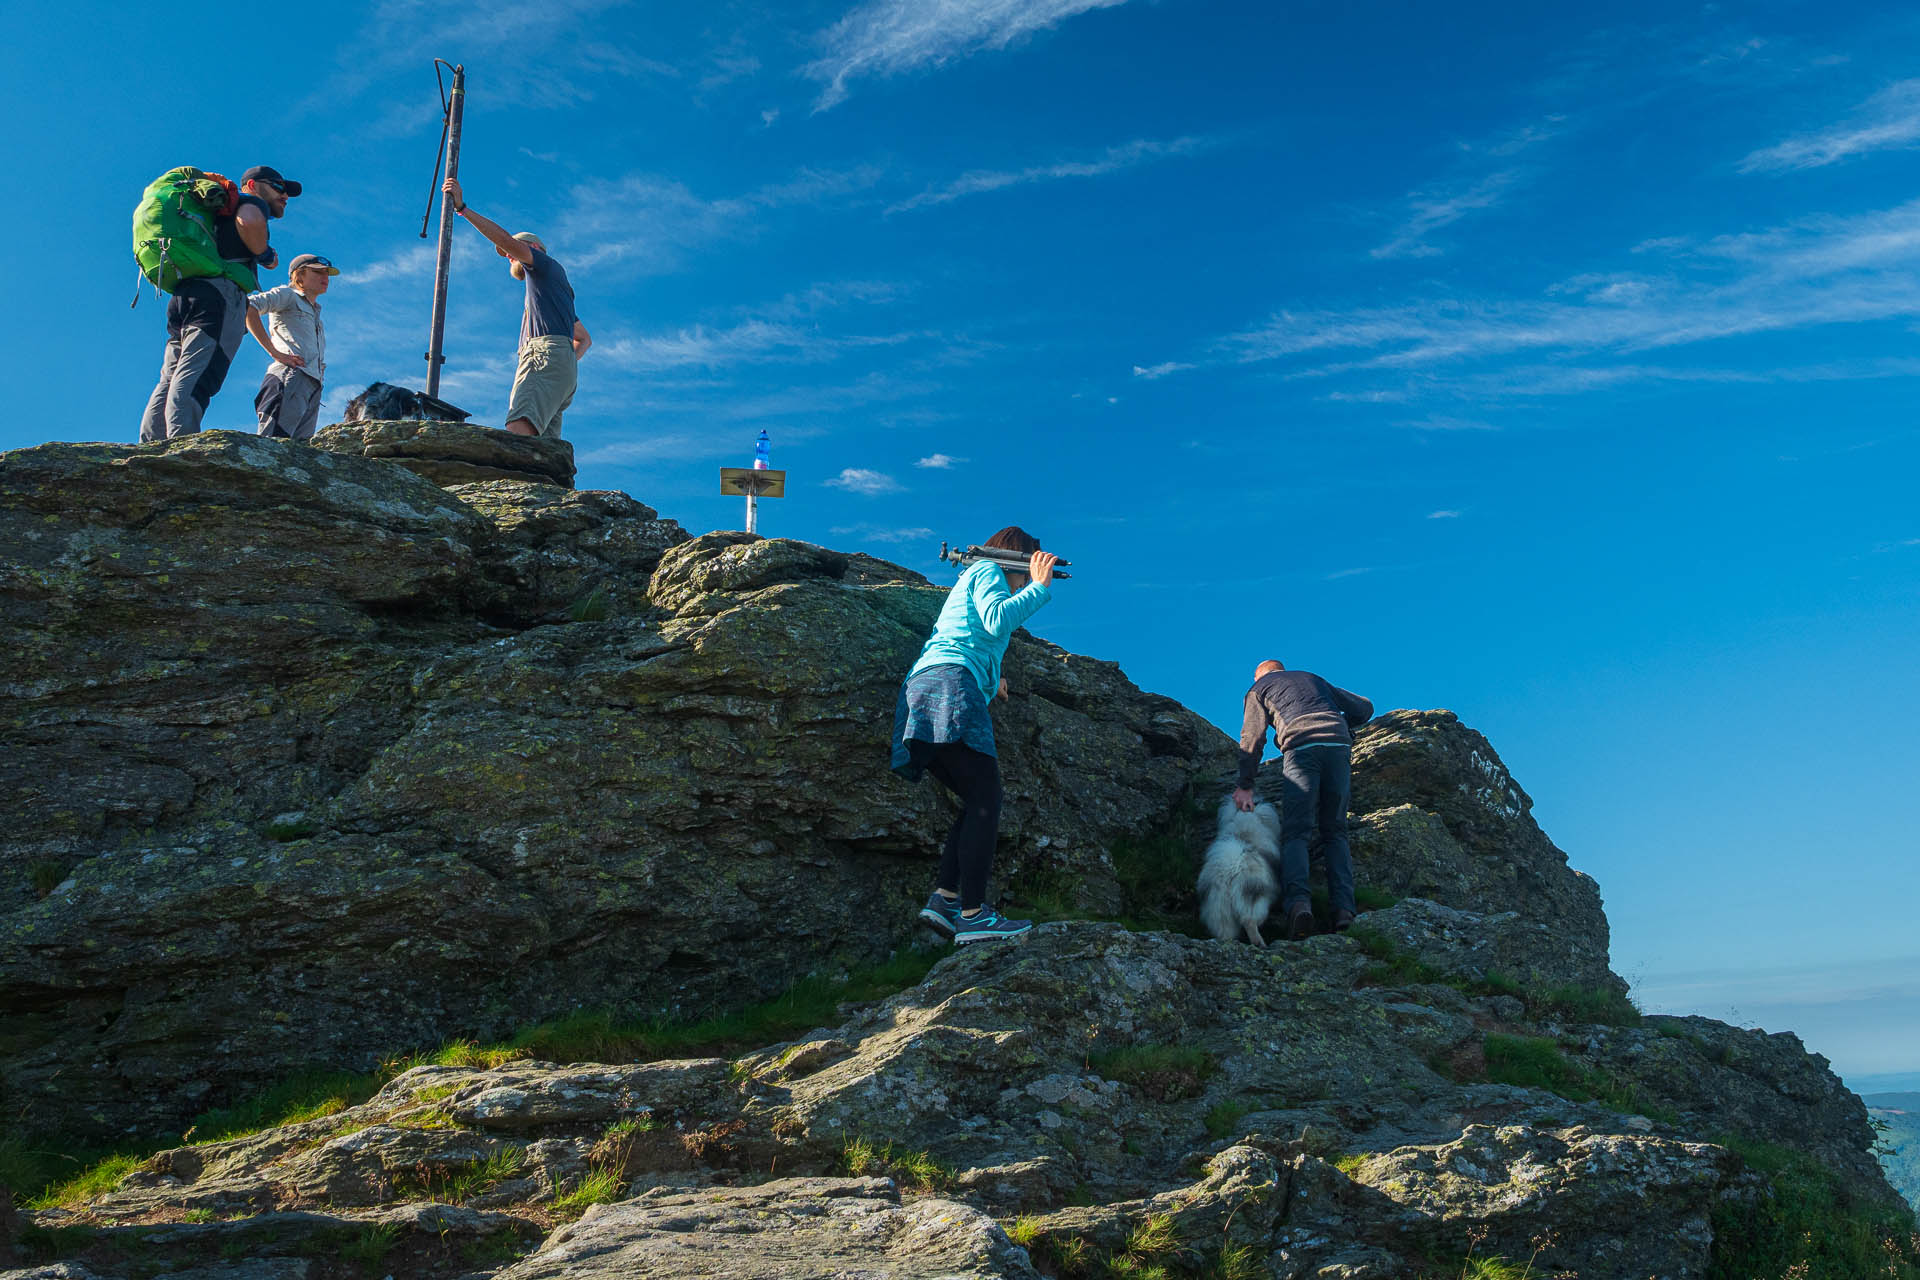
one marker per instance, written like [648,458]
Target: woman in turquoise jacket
[941,726]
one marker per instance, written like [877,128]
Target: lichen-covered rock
[451,453]
[1436,815]
[307,772]
[779,1230]
[1474,947]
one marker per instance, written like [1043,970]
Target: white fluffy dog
[1240,879]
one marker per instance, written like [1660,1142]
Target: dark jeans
[1315,786]
[974,777]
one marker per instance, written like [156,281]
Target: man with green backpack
[201,239]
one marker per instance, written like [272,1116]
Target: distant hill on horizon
[1899,1145]
[1885,1082]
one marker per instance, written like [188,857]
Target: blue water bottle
[760,447]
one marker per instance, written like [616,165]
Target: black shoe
[1342,921]
[1299,924]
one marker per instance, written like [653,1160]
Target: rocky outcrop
[312,766]
[314,761]
[1099,1094]
[451,453]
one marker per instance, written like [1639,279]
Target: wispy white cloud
[1443,515]
[1161,370]
[939,462]
[750,342]
[1437,207]
[1114,159]
[861,480]
[558,48]
[1337,574]
[650,225]
[1814,272]
[671,446]
[1445,422]
[881,533]
[889,37]
[1889,119]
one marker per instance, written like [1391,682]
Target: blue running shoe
[941,914]
[988,924]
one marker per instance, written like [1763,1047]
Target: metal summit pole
[442,259]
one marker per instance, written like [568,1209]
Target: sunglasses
[276,187]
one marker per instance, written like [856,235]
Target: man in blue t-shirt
[207,316]
[552,339]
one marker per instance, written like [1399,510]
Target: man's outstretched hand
[1243,799]
[452,187]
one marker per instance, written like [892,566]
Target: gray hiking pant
[288,404]
[206,318]
[544,383]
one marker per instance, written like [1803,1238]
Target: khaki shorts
[544,383]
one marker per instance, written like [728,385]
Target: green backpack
[173,230]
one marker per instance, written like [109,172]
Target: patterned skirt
[936,706]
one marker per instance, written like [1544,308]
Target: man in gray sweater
[1312,724]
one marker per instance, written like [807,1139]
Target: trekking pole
[455,103]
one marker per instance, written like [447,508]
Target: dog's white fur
[1240,880]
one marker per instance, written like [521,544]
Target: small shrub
[1165,1073]
[1350,1163]
[1807,1224]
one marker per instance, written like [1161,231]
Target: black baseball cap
[268,173]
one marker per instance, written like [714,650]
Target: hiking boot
[988,924]
[1299,924]
[941,914]
[1342,921]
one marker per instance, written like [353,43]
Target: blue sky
[1554,368]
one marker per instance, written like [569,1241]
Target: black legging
[975,778]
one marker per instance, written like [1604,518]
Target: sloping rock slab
[450,453]
[779,1230]
[557,547]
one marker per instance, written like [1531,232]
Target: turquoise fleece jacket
[978,619]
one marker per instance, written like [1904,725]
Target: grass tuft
[47,876]
[1224,1117]
[601,1186]
[913,1170]
[1165,1073]
[369,1247]
[591,607]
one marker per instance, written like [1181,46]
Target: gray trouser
[1316,783]
[206,318]
[289,402]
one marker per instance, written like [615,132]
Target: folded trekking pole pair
[998,555]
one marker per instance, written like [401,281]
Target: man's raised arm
[519,250]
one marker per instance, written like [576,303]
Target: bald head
[1268,667]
